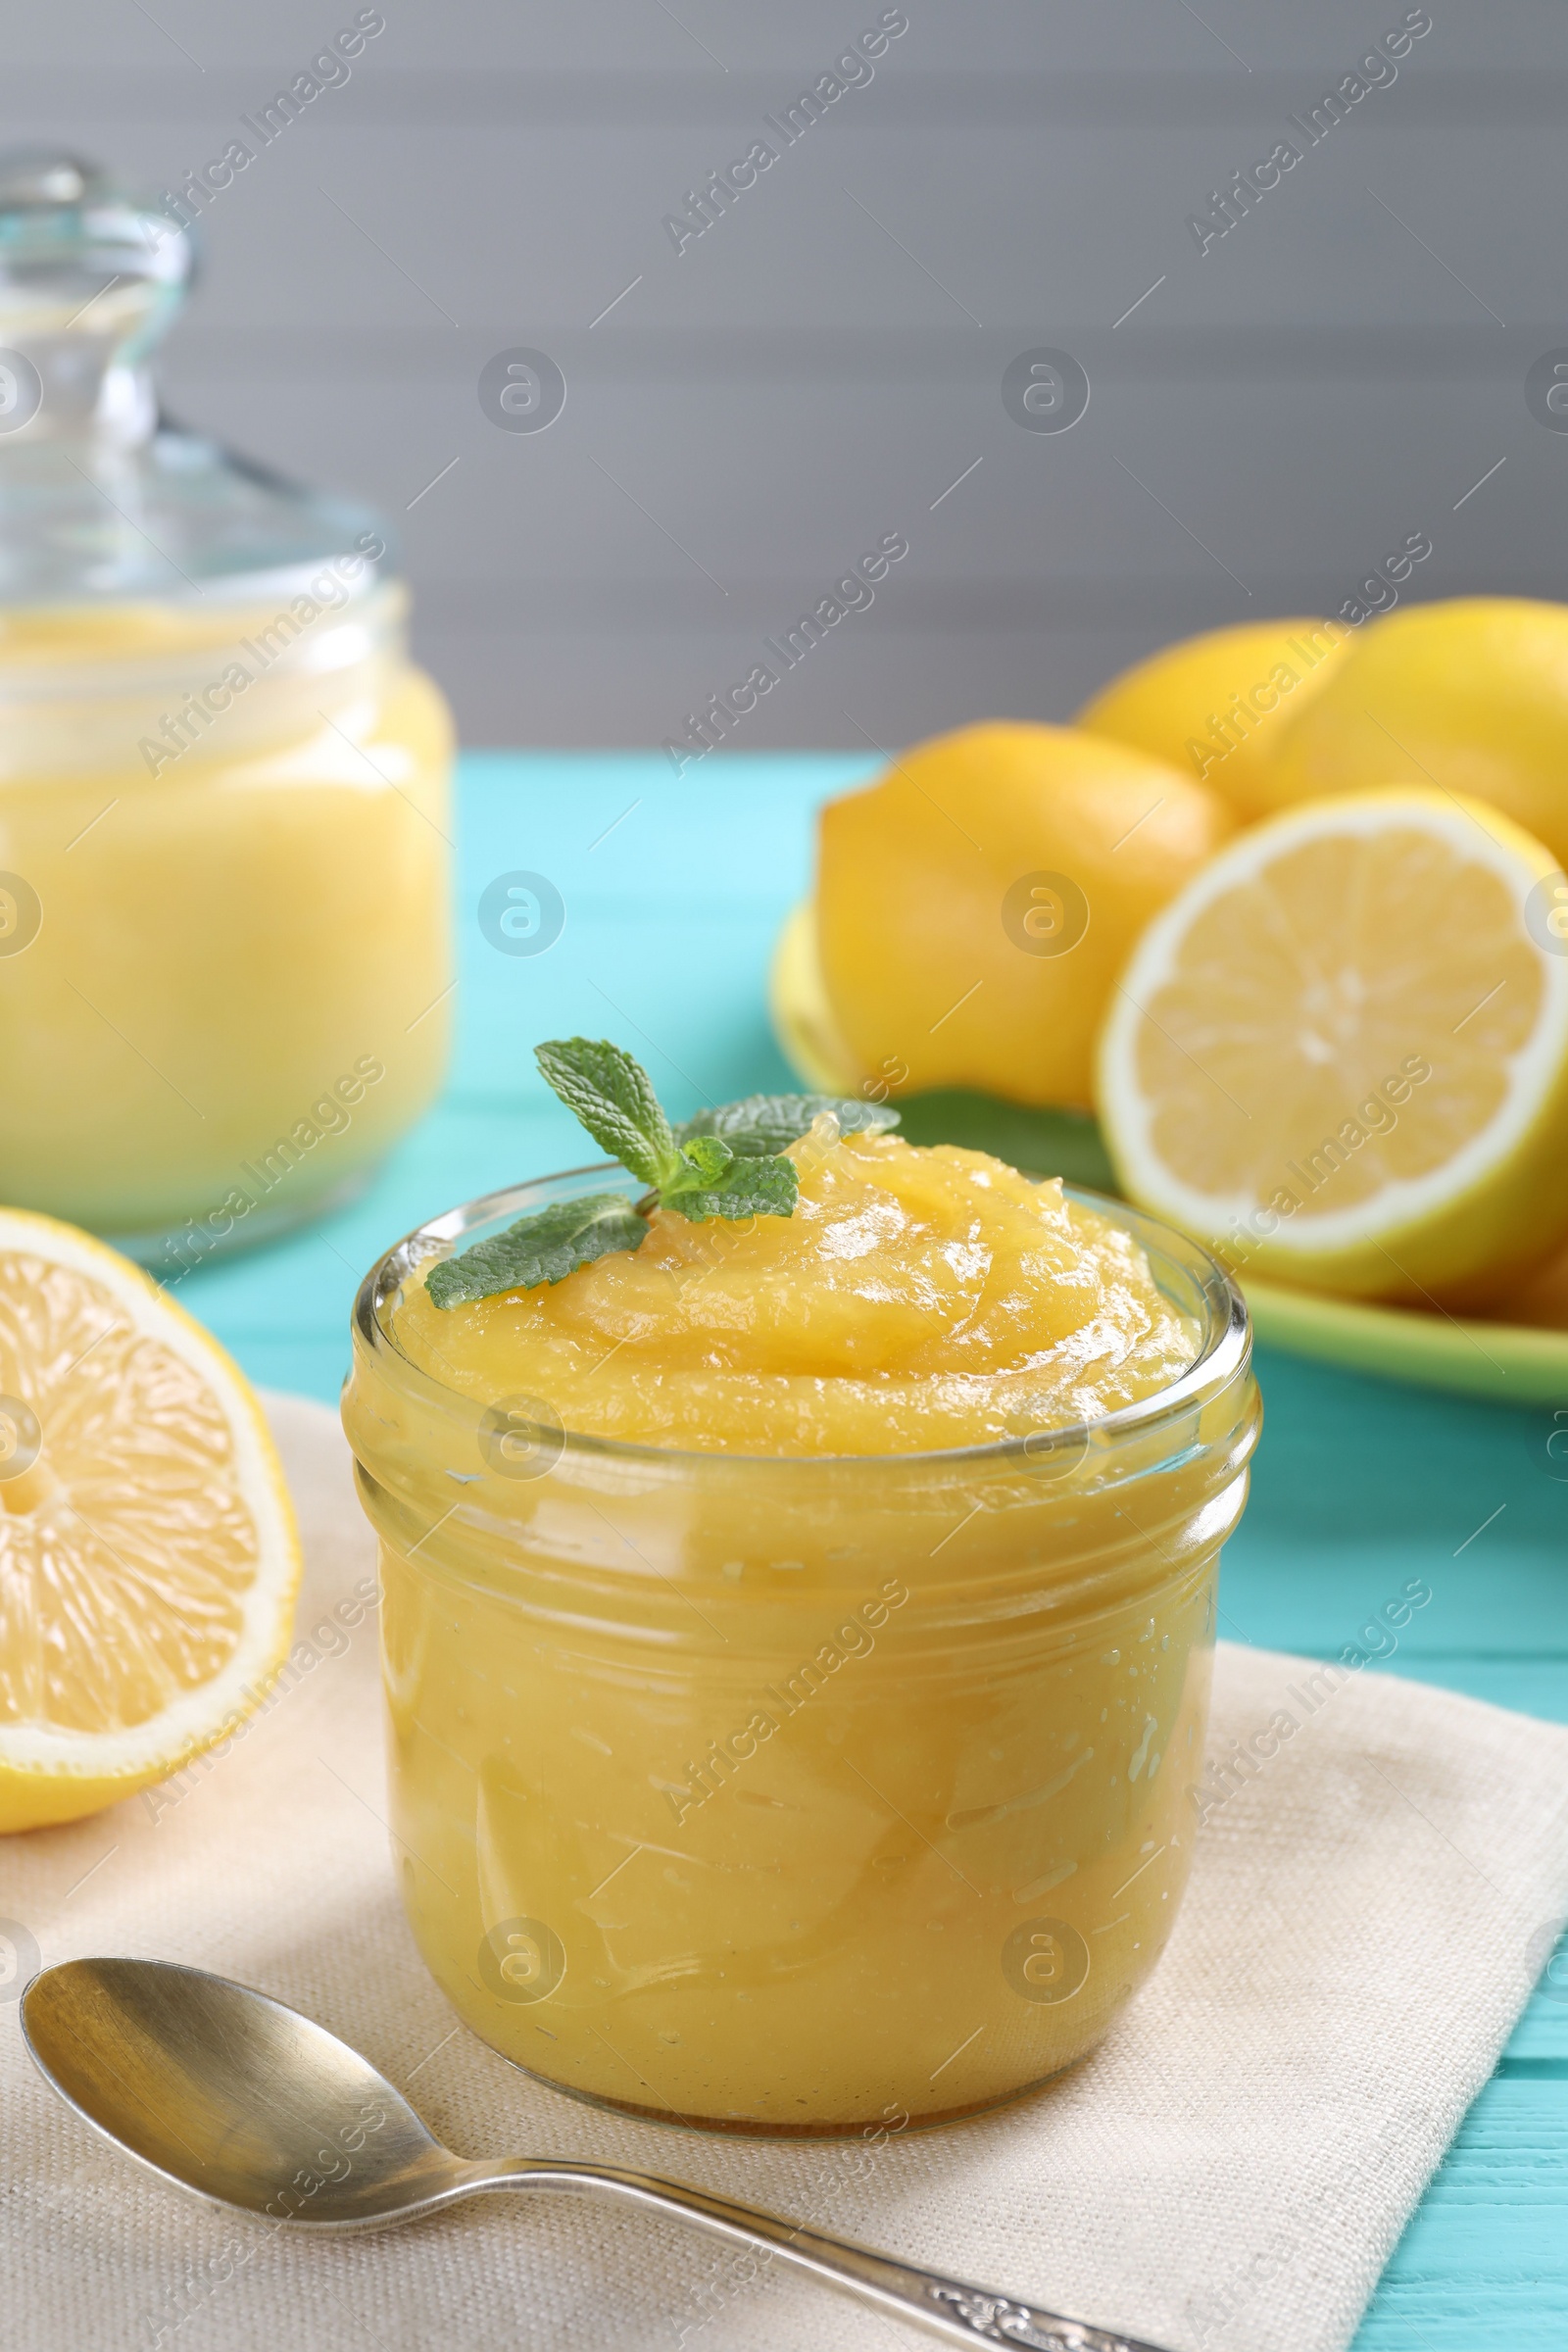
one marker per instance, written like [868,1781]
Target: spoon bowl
[227,2092]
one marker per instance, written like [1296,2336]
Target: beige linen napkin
[1228,2175]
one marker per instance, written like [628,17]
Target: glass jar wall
[784,1795]
[224,955]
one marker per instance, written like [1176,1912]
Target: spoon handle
[953,2309]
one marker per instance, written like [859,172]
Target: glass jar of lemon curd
[223,832]
[802,1794]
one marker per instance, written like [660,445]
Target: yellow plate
[1505,1361]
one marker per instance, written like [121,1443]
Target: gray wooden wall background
[1330,376]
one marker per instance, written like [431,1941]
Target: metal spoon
[225,2091]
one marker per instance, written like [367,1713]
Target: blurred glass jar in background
[225,952]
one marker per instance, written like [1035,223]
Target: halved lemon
[149,1558]
[1340,1055]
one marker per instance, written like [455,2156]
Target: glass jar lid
[102,497]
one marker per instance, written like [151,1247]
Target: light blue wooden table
[673,892]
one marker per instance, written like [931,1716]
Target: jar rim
[1224,1350]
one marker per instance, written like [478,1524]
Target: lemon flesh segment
[1216,706]
[148,1554]
[1340,1056]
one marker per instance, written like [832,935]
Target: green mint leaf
[545,1247]
[763,1124]
[702,1162]
[614,1098]
[748,1188]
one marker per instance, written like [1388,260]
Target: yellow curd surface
[782,1771]
[917,1299]
[213,961]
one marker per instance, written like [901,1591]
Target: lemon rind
[1537,1075]
[199,1718]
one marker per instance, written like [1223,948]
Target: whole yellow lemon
[1470,694]
[1213,704]
[975,904]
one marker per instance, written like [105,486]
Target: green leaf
[702,1164]
[614,1098]
[545,1247]
[748,1188]
[1042,1141]
[722,1164]
[763,1124]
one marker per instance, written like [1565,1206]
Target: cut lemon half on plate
[1340,1055]
[148,1553]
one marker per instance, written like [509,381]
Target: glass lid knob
[89,279]
[102,497]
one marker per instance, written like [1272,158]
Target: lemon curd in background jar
[797,1635]
[224,960]
[210,1010]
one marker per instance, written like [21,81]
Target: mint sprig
[722,1164]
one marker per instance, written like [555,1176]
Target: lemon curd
[797,1633]
[218,936]
[916,1300]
